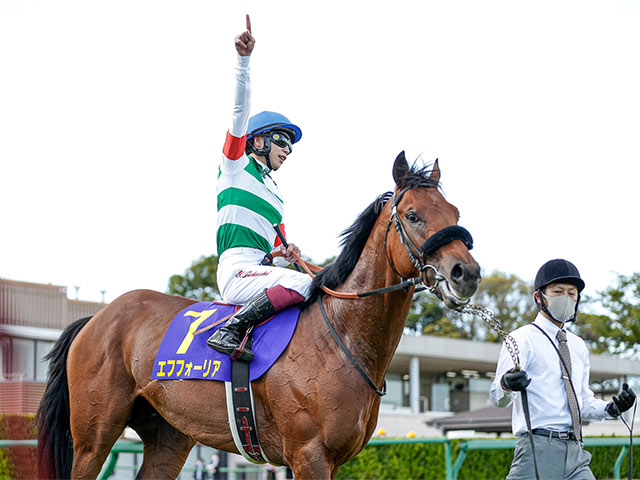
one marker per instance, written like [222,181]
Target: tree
[509,298]
[619,332]
[596,330]
[427,313]
[506,295]
[198,281]
[615,331]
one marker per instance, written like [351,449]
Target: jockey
[249,205]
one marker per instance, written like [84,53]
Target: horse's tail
[55,445]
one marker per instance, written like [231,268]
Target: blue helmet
[266,121]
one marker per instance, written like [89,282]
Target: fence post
[109,466]
[462,454]
[447,460]
[618,464]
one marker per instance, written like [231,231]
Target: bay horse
[314,410]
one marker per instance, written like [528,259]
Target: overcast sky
[113,115]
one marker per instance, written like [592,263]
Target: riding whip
[276,227]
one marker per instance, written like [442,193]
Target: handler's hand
[515,380]
[245,41]
[290,253]
[623,402]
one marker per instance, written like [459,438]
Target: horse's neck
[372,326]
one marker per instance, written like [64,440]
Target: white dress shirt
[548,404]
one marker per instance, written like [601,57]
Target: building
[432,377]
[429,377]
[32,317]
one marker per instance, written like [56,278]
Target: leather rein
[431,245]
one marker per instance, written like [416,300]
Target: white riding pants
[241,277]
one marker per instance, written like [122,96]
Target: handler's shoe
[230,337]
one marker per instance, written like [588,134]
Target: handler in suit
[555,373]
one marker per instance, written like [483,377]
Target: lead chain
[490,319]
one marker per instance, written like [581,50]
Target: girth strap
[242,421]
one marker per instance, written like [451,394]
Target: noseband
[431,245]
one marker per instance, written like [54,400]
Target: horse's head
[428,240]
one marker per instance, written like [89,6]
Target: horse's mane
[355,237]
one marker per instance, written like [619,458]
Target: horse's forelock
[419,177]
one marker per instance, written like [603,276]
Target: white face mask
[561,308]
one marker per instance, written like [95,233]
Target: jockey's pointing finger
[248,23]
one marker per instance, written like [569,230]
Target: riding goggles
[281,140]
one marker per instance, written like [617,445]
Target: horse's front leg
[313,462]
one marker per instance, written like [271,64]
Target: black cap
[558,271]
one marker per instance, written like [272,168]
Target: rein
[380,393]
[431,245]
[309,268]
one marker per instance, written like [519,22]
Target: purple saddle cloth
[183,355]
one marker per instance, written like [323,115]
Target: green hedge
[605,457]
[426,461]
[18,462]
[401,461]
[394,462]
[6,467]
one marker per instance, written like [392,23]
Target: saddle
[184,354]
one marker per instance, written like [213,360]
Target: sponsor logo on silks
[243,274]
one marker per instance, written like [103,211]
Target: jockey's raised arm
[249,204]
[245,41]
[236,140]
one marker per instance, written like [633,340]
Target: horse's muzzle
[465,278]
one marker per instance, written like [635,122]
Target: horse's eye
[412,217]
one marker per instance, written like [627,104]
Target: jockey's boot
[229,337]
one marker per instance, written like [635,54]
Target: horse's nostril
[457,273]
[464,273]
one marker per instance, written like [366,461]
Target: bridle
[430,246]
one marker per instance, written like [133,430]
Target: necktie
[563,348]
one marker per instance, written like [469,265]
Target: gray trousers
[556,459]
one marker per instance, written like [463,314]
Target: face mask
[561,308]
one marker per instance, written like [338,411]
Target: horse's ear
[435,173]
[400,168]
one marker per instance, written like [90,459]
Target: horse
[314,410]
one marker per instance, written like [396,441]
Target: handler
[249,204]
[558,402]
